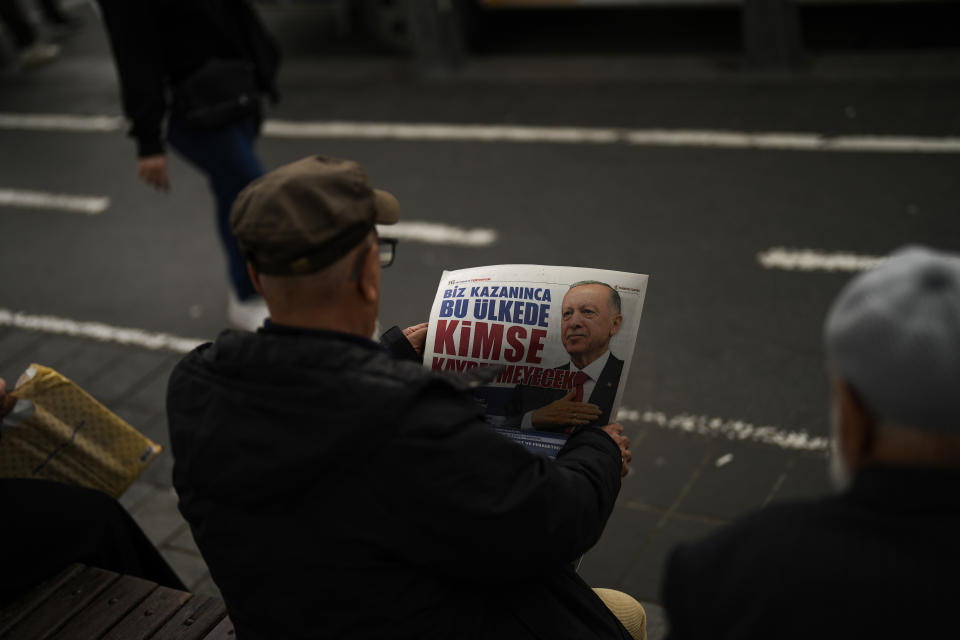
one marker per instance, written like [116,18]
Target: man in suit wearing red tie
[591,317]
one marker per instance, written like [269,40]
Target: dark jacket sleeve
[399,347]
[138,55]
[486,507]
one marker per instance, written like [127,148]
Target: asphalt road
[721,335]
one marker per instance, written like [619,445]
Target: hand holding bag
[58,432]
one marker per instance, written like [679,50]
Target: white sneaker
[246,314]
[38,54]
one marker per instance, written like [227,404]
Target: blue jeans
[227,157]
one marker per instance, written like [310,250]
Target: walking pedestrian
[216,62]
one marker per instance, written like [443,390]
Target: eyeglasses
[387,248]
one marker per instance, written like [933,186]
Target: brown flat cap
[306,215]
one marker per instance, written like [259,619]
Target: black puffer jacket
[158,43]
[338,493]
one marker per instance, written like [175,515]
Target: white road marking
[434,233]
[696,138]
[730,429]
[61,122]
[724,460]
[812,260]
[98,331]
[726,139]
[784,141]
[90,205]
[441,132]
[790,141]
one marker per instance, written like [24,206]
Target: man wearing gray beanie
[881,558]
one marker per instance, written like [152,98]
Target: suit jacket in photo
[529,398]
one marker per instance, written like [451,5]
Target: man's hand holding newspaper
[6,401]
[615,430]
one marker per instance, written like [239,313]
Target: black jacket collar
[907,488]
[273,328]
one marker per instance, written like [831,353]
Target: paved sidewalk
[682,486]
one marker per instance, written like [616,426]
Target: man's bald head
[329,297]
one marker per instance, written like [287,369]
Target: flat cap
[893,334]
[304,216]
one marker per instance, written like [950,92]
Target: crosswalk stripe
[442,234]
[61,122]
[731,429]
[91,205]
[813,260]
[97,331]
[447,132]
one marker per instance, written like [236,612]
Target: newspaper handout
[561,339]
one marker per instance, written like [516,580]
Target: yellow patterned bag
[57,431]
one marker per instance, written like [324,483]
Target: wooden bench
[84,603]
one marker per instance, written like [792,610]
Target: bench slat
[69,598]
[87,602]
[194,619]
[107,609]
[223,631]
[18,609]
[151,614]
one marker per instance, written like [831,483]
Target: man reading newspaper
[336,491]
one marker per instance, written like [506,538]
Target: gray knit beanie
[893,334]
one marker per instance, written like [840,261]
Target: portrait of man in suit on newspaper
[591,316]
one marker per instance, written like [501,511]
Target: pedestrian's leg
[52,12]
[233,176]
[228,158]
[12,15]
[32,51]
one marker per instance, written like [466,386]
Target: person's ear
[255,279]
[368,280]
[617,321]
[856,426]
